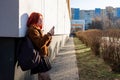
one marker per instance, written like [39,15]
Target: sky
[92,4]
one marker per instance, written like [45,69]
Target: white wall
[14,14]
[50,18]
[56,14]
[25,9]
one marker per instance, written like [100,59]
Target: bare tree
[117,24]
[96,23]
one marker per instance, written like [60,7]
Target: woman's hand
[52,31]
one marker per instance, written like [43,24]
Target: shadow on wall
[22,31]
[19,74]
[23,26]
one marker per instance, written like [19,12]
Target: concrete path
[64,66]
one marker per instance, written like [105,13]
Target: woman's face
[40,21]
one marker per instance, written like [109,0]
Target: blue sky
[92,4]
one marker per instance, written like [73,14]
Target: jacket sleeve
[38,38]
[49,42]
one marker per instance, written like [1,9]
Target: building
[109,13]
[97,12]
[87,15]
[77,23]
[118,12]
[75,13]
[13,17]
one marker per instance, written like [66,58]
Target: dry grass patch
[90,66]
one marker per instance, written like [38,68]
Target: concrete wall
[13,17]
[9,18]
[57,42]
[7,46]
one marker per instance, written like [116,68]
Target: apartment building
[76,23]
[117,12]
[97,12]
[89,15]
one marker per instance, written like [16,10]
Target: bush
[110,49]
[91,38]
[104,43]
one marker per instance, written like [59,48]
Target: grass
[91,67]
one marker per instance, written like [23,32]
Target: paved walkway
[64,66]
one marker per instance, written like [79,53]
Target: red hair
[33,19]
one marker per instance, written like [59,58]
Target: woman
[34,32]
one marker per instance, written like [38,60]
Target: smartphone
[53,27]
[52,30]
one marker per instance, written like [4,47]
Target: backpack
[27,56]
